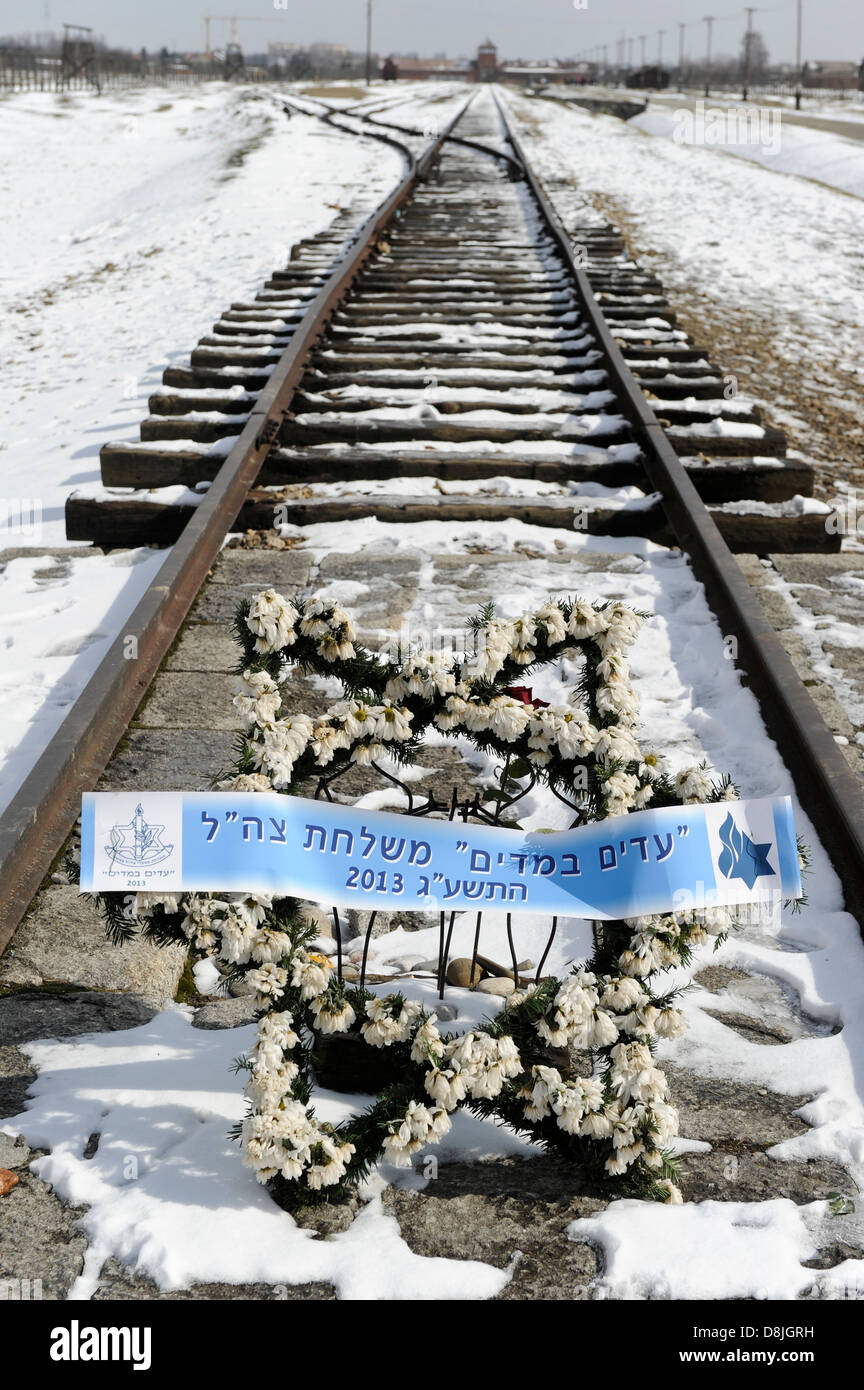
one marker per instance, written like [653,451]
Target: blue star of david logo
[741,857]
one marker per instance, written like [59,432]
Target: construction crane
[234,20]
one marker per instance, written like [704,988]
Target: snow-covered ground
[128,223]
[162,1092]
[767,135]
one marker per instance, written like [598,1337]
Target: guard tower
[487,62]
[78,55]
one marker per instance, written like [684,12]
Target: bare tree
[757,67]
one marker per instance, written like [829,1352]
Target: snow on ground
[714,1250]
[162,1091]
[766,136]
[765,266]
[166,1192]
[128,222]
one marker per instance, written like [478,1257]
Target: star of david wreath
[607,1111]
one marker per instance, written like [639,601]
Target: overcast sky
[521,28]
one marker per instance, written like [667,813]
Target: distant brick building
[842,76]
[486,62]
[419,69]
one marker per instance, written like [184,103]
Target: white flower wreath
[616,1120]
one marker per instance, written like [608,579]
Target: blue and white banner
[647,862]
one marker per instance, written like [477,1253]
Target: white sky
[521,28]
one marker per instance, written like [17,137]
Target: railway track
[464,360]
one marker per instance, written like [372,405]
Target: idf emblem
[137,844]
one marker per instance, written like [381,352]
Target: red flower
[525,693]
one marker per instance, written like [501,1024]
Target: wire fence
[788,89]
[21,70]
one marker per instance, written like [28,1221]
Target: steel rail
[826,785]
[356,115]
[35,825]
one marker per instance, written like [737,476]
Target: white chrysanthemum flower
[327,740]
[394,723]
[524,640]
[519,996]
[585,621]
[258,698]
[269,983]
[618,699]
[651,767]
[237,939]
[508,718]
[383,1026]
[271,618]
[333,648]
[674,1198]
[268,946]
[420,1126]
[634,1076]
[245,782]
[250,909]
[615,744]
[494,644]
[359,720]
[316,618]
[670,1023]
[310,974]
[485,1062]
[552,619]
[575,736]
[332,1170]
[640,1023]
[646,954]
[595,1125]
[476,716]
[278,1029]
[621,994]
[422,673]
[280,746]
[694,785]
[426,1042]
[446,1085]
[332,1016]
[622,627]
[145,902]
[662,1119]
[197,925]
[715,920]
[367,753]
[268,1085]
[454,712]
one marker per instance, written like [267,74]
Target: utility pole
[748,40]
[642,42]
[709,20]
[368,43]
[798,62]
[660,33]
[629,54]
[681,28]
